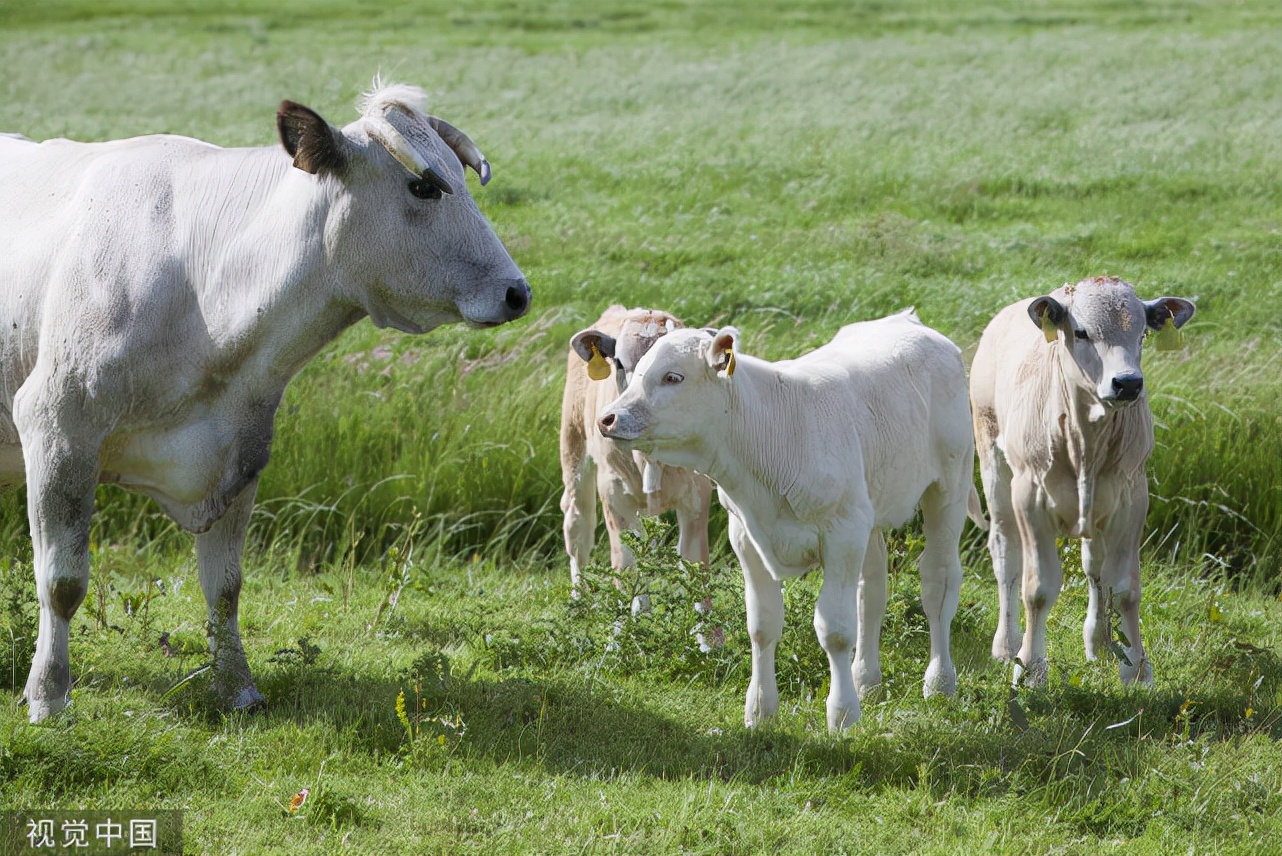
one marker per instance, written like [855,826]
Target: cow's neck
[270,303]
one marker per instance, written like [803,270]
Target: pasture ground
[787,167]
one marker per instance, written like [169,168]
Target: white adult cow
[157,294]
[592,465]
[813,458]
[1063,429]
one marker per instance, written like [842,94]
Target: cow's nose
[1128,387]
[517,299]
[607,422]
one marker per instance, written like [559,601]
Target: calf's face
[670,407]
[635,339]
[1100,323]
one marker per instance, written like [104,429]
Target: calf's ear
[314,144]
[1047,313]
[721,352]
[1177,309]
[594,348]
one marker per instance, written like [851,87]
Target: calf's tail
[975,511]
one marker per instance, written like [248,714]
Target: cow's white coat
[157,294]
[1063,430]
[813,458]
[592,465]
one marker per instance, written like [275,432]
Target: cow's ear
[1047,313]
[594,348]
[1177,309]
[315,145]
[721,352]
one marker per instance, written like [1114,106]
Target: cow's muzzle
[517,299]
[516,302]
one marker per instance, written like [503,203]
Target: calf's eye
[673,377]
[1081,334]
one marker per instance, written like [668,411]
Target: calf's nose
[606,422]
[1128,387]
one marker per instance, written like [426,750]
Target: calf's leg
[578,505]
[837,620]
[943,516]
[1043,579]
[1005,549]
[692,525]
[1097,628]
[763,597]
[622,514]
[1120,581]
[871,609]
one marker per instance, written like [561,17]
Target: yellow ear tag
[598,368]
[1169,337]
[1049,330]
[729,363]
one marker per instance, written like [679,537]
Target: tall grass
[785,167]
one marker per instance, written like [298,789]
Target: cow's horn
[386,134]
[463,146]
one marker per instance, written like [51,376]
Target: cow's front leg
[871,606]
[218,552]
[837,624]
[61,476]
[763,597]
[1043,579]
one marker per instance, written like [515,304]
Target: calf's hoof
[1034,674]
[1140,672]
[940,680]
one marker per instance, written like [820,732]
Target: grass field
[787,167]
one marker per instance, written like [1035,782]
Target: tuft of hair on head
[383,96]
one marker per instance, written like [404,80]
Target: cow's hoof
[42,709]
[249,700]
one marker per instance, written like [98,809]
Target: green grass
[787,167]
[534,723]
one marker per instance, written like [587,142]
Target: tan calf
[1063,430]
[591,465]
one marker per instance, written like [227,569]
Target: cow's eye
[424,190]
[673,378]
[1081,333]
